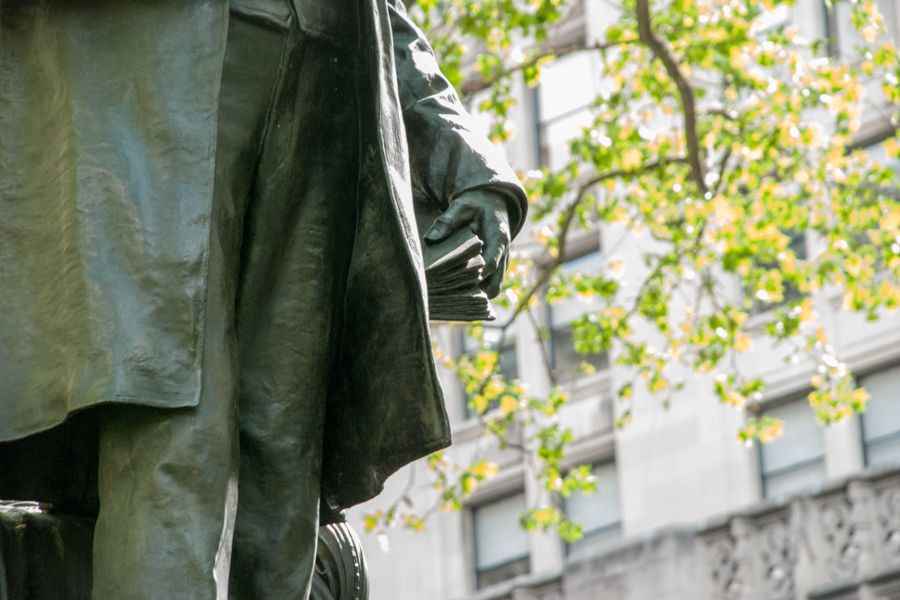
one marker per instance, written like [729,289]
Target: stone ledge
[47,556]
[44,556]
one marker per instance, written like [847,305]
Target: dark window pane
[884,452]
[789,292]
[567,363]
[881,421]
[507,364]
[795,462]
[598,513]
[501,545]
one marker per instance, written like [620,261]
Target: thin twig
[476,84]
[568,218]
[543,346]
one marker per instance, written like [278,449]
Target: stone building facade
[682,512]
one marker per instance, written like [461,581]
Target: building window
[598,513]
[501,545]
[795,462]
[563,99]
[877,150]
[843,38]
[507,364]
[567,364]
[881,421]
[789,291]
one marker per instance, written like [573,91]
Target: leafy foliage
[717,141]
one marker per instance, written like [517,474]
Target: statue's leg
[298,241]
[168,478]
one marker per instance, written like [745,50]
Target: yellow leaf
[508,404]
[735,399]
[892,146]
[723,210]
[821,336]
[484,470]
[659,385]
[619,214]
[891,221]
[543,516]
[773,431]
[631,159]
[717,34]
[617,266]
[807,313]
[493,389]
[869,32]
[370,522]
[738,60]
[742,342]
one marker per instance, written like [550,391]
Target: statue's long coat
[107,137]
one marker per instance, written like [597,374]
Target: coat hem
[396,461]
[118,399]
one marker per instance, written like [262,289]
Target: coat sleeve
[447,155]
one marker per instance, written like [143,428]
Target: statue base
[47,556]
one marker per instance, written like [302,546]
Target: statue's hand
[484,212]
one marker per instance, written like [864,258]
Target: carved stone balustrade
[839,543]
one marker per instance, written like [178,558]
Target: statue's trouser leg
[298,237]
[167,477]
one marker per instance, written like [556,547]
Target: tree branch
[476,84]
[543,346]
[568,217]
[686,93]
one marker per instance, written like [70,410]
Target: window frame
[581,248]
[765,476]
[507,343]
[616,525]
[789,291]
[865,443]
[476,572]
[831,32]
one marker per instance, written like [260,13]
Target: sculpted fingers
[485,213]
[495,234]
[491,284]
[458,215]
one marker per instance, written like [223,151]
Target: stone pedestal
[45,556]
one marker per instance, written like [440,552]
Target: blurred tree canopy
[756,139]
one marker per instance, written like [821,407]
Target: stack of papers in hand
[453,269]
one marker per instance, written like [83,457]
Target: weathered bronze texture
[209,251]
[47,556]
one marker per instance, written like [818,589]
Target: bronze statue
[212,300]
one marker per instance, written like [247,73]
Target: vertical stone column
[843,449]
[545,547]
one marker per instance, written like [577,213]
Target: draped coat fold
[108,114]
